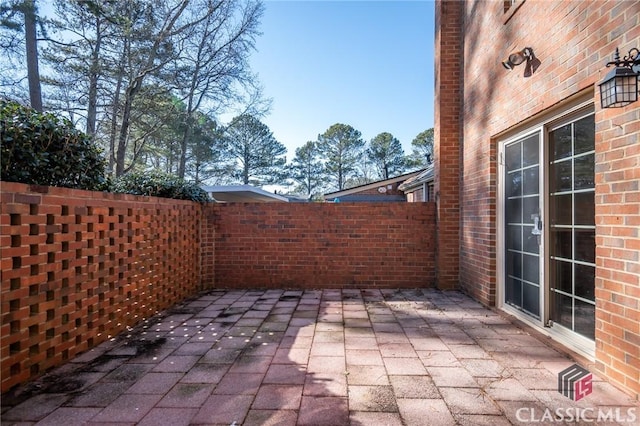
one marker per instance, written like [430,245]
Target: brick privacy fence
[343,245]
[78,267]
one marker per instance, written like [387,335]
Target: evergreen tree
[307,170]
[387,154]
[422,145]
[258,155]
[342,148]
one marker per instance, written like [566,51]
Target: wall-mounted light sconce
[620,87]
[517,58]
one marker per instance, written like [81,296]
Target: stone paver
[127,408]
[418,412]
[326,364]
[469,401]
[414,387]
[168,417]
[68,416]
[332,357]
[278,417]
[274,397]
[325,384]
[364,357]
[405,366]
[223,409]
[372,375]
[323,411]
[239,384]
[375,418]
[155,383]
[372,398]
[187,395]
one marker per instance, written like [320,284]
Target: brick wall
[573,40]
[447,138]
[78,267]
[314,245]
[618,244]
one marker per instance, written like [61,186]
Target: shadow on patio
[332,357]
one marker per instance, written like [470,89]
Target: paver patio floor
[325,357]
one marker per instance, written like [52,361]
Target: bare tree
[121,66]
[153,62]
[215,59]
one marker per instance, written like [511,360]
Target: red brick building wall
[618,243]
[447,138]
[78,267]
[342,245]
[573,40]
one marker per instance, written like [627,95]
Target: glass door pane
[572,226]
[523,226]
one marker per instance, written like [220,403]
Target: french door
[547,225]
[523,225]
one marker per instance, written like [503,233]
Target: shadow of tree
[332,357]
[482,84]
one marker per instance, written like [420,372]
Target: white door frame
[501,222]
[580,107]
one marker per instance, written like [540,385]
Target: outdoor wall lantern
[620,87]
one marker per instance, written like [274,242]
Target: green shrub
[158,184]
[42,149]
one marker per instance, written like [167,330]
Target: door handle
[537,225]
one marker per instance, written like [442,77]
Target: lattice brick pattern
[78,267]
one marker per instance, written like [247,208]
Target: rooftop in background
[242,194]
[385,190]
[424,176]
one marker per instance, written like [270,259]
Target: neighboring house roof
[422,177]
[242,194]
[351,193]
[293,198]
[369,198]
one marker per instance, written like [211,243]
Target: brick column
[208,246]
[447,139]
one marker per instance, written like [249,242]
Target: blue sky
[368,64]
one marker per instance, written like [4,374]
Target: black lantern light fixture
[620,87]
